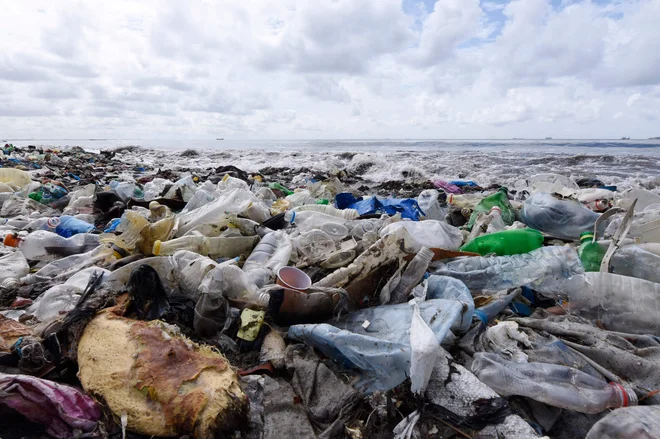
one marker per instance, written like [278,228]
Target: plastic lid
[156,249]
[496,208]
[627,396]
[450,199]
[10,283]
[53,222]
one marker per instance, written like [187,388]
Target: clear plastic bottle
[555,385]
[619,303]
[465,201]
[496,223]
[272,253]
[309,220]
[67,226]
[219,246]
[361,227]
[640,422]
[42,244]
[499,199]
[565,219]
[546,268]
[412,275]
[62,269]
[551,183]
[14,267]
[644,199]
[345,214]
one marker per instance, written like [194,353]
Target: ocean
[625,163]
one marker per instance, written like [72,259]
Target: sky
[253,69]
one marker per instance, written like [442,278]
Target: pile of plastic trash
[137,302]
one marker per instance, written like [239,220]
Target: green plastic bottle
[498,199]
[279,187]
[36,196]
[591,253]
[506,242]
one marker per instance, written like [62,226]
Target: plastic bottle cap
[156,248]
[450,199]
[11,240]
[10,283]
[225,178]
[53,222]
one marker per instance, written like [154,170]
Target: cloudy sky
[329,68]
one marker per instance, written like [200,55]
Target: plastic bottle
[234,201]
[619,303]
[640,422]
[14,267]
[272,253]
[67,226]
[62,269]
[496,222]
[588,195]
[644,199]
[637,261]
[465,201]
[591,253]
[309,220]
[413,275]
[217,247]
[448,288]
[346,214]
[433,206]
[555,385]
[598,205]
[546,268]
[564,219]
[42,243]
[506,242]
[498,199]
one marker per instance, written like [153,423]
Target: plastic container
[42,243]
[506,242]
[565,219]
[546,268]
[412,275]
[591,253]
[498,199]
[555,385]
[315,245]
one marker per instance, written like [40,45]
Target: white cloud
[329,68]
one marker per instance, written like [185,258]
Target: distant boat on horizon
[548,138]
[625,138]
[219,138]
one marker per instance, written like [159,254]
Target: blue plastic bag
[408,207]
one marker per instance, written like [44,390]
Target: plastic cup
[292,278]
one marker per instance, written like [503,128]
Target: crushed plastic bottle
[43,244]
[498,199]
[506,242]
[555,385]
